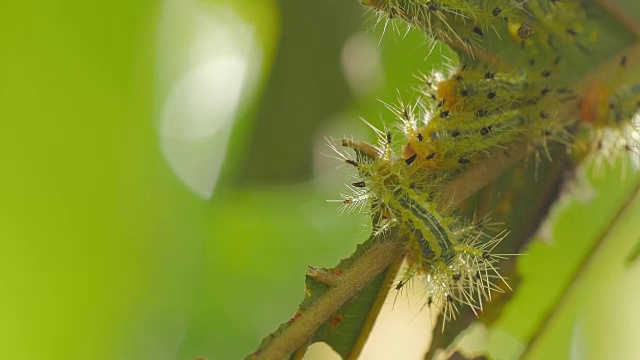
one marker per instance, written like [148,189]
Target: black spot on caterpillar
[411,159]
[399,285]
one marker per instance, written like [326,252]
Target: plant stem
[372,263]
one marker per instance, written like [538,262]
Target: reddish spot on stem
[296,316]
[336,320]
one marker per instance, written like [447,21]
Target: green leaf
[560,273]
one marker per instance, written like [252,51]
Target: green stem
[351,282]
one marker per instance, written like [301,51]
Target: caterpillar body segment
[460,23]
[541,27]
[476,110]
[427,227]
[613,121]
[603,106]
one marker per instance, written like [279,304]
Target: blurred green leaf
[102,242]
[556,266]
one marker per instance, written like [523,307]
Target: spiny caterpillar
[523,81]
[455,259]
[463,117]
[458,120]
[477,109]
[613,119]
[541,25]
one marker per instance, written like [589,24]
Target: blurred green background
[164,183]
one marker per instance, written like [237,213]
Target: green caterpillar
[539,25]
[455,260]
[477,110]
[522,82]
[462,117]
